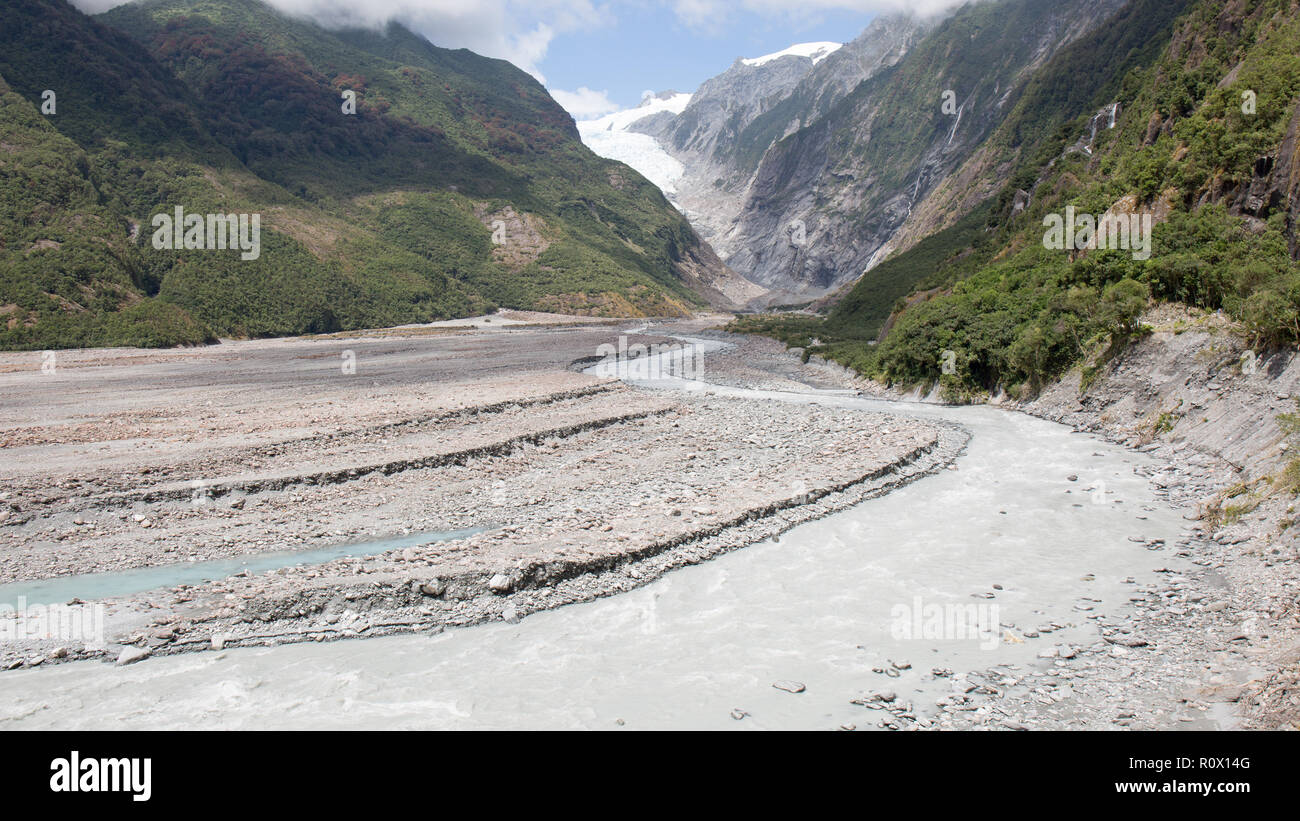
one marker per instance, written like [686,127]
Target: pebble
[435,588]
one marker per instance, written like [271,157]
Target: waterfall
[1112,113]
[953,133]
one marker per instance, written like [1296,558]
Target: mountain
[802,175]
[815,52]
[1182,119]
[1065,102]
[619,136]
[721,136]
[380,217]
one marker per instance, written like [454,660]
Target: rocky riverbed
[577,486]
[1191,633]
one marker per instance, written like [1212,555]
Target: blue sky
[649,48]
[600,55]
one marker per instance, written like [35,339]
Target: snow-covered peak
[813,51]
[651,105]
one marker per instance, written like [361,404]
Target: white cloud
[520,31]
[585,104]
[713,14]
[96,6]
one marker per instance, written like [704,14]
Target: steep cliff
[850,178]
[735,118]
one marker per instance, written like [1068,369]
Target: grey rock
[132,655]
[434,589]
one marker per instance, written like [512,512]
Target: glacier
[609,137]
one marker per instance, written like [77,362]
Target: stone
[790,686]
[435,588]
[500,583]
[131,655]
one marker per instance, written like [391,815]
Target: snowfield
[813,51]
[609,137]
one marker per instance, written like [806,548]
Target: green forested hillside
[1206,142]
[370,219]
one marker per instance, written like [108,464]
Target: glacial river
[820,607]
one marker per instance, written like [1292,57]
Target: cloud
[714,14]
[585,104]
[96,6]
[520,31]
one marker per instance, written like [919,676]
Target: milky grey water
[92,586]
[684,652]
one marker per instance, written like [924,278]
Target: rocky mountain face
[1182,117]
[804,189]
[734,118]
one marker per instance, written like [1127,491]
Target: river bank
[1196,398]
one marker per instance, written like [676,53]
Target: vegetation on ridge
[380,218]
[1186,147]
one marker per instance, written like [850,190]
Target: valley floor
[468,475]
[573,487]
